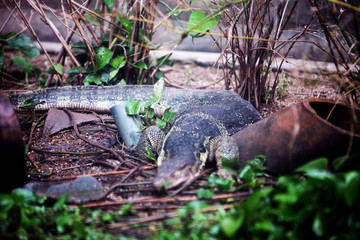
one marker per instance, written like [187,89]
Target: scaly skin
[199,134]
[203,115]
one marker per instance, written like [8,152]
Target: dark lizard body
[199,131]
[200,134]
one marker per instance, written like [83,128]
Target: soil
[64,156]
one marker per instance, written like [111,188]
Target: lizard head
[173,174]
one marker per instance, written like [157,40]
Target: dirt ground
[64,156]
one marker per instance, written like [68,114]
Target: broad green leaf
[151,102]
[285,197]
[351,194]
[139,65]
[247,174]
[79,46]
[24,44]
[126,24]
[230,225]
[122,82]
[149,113]
[168,116]
[76,70]
[164,60]
[133,107]
[160,123]
[6,203]
[109,4]
[318,226]
[113,73]
[23,64]
[118,62]
[320,175]
[320,164]
[233,166]
[97,78]
[56,69]
[150,155]
[204,193]
[102,57]
[199,21]
[265,225]
[159,74]
[224,185]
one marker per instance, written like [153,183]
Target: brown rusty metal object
[300,133]
[12,153]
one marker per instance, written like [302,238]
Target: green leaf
[160,123]
[168,116]
[317,226]
[151,101]
[76,70]
[320,175]
[56,69]
[149,113]
[164,60]
[351,194]
[30,104]
[24,44]
[150,155]
[79,46]
[204,193]
[97,78]
[102,57]
[6,203]
[159,74]
[118,62]
[247,174]
[317,164]
[126,24]
[232,166]
[139,65]
[199,21]
[224,185]
[230,224]
[113,73]
[23,64]
[133,107]
[109,4]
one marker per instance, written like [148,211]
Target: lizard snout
[170,177]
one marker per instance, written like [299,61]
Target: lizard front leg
[153,138]
[223,147]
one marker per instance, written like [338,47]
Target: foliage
[251,30]
[24,215]
[314,203]
[339,21]
[133,107]
[26,46]
[121,55]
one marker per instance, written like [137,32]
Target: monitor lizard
[199,132]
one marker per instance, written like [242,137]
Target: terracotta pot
[300,133]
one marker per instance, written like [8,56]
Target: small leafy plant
[24,215]
[26,46]
[134,108]
[314,203]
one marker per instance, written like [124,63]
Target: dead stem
[121,160]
